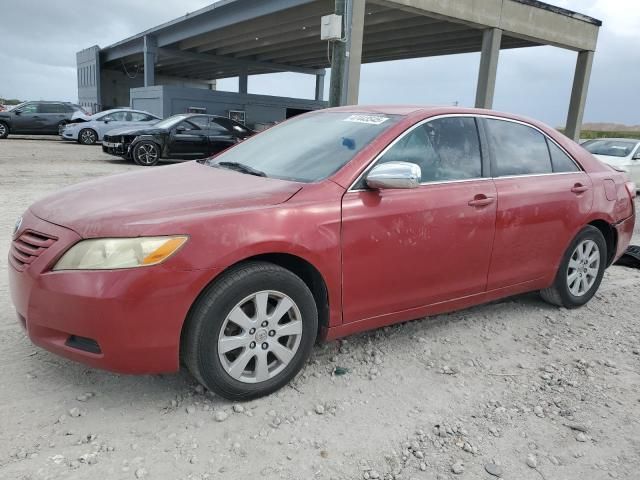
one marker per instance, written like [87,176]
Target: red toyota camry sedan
[332,223]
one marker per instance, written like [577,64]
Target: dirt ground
[517,387]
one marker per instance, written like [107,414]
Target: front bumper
[118,149]
[69,136]
[127,321]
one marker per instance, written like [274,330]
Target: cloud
[41,39]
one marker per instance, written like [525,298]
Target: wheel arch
[299,266]
[610,236]
[88,128]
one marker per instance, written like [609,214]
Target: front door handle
[579,188]
[481,201]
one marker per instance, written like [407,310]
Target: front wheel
[87,136]
[146,154]
[4,130]
[580,272]
[251,332]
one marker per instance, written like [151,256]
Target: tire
[146,154]
[87,136]
[266,360]
[578,277]
[4,130]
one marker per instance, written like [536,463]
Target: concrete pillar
[243,82]
[320,85]
[149,53]
[491,39]
[354,51]
[347,55]
[579,94]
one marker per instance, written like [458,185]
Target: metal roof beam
[222,60]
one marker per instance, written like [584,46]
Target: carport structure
[239,38]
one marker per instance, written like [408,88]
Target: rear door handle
[579,188]
[481,201]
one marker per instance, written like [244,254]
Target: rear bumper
[625,232]
[126,321]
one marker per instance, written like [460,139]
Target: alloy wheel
[583,268]
[3,130]
[260,336]
[147,154]
[88,137]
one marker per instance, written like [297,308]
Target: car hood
[158,201]
[135,131]
[614,161]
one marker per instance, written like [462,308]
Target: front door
[543,199]
[190,138]
[26,119]
[405,249]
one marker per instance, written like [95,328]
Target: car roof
[616,139]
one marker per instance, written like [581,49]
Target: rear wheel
[580,272]
[251,332]
[146,154]
[87,136]
[4,130]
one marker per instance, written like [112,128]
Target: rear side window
[561,161]
[445,149]
[51,108]
[140,117]
[517,149]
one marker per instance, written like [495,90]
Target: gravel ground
[517,388]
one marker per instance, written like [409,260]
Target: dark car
[180,137]
[36,118]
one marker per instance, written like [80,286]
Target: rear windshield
[611,148]
[308,148]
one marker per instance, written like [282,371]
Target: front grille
[27,247]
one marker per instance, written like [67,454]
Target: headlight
[113,253]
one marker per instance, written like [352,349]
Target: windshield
[611,148]
[171,121]
[308,148]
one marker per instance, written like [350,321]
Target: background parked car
[621,153]
[91,131]
[33,118]
[184,136]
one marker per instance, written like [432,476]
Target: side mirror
[18,112]
[637,156]
[106,120]
[181,129]
[394,175]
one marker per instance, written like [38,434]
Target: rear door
[190,138]
[50,116]
[405,249]
[221,135]
[543,200]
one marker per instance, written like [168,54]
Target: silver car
[620,153]
[92,131]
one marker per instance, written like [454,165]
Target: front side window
[517,149]
[217,127]
[308,148]
[445,149]
[29,108]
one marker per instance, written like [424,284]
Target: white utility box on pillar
[331,27]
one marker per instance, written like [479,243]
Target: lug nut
[265,345]
[252,331]
[265,323]
[252,345]
[272,333]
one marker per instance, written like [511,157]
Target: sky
[40,39]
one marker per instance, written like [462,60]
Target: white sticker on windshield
[370,119]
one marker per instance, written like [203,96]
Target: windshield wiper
[241,167]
